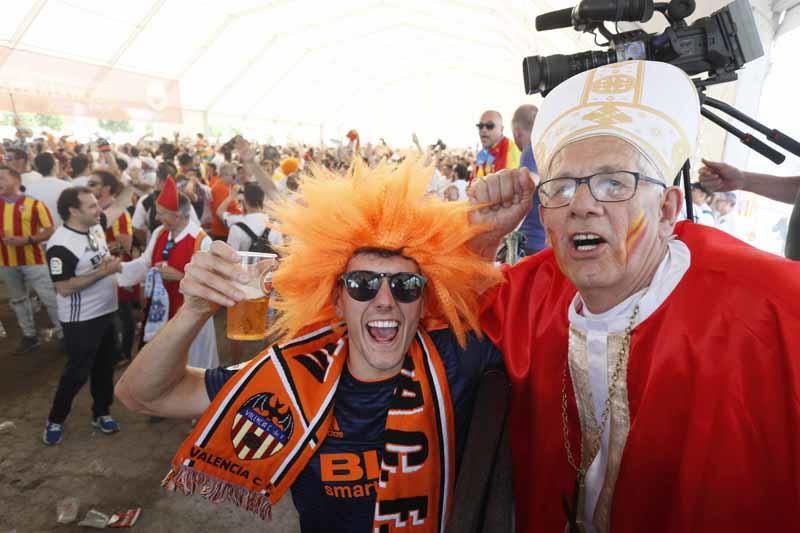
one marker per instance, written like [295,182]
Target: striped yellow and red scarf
[271,417]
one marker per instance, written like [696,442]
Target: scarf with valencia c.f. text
[270,418]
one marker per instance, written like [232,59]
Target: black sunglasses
[363,285]
[167,249]
[487,125]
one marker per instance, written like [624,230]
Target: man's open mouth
[585,242]
[383,330]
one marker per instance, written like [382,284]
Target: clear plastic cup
[248,319]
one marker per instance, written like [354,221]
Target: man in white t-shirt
[82,270]
[49,188]
[247,228]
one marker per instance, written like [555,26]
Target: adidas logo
[335,431]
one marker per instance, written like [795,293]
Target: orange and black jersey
[336,491]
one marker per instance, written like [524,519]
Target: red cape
[713,389]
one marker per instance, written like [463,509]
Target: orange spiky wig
[385,208]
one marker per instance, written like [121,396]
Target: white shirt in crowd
[703,214]
[72,253]
[459,185]
[257,222]
[47,190]
[81,181]
[29,178]
[729,224]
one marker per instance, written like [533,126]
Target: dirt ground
[109,473]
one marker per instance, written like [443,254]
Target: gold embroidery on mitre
[614,84]
[607,115]
[539,152]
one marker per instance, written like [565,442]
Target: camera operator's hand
[209,279]
[721,177]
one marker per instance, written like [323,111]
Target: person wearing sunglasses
[362,408]
[498,151]
[663,355]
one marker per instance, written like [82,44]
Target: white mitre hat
[652,106]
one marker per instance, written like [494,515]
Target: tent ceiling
[343,63]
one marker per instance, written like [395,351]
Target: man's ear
[337,301]
[671,203]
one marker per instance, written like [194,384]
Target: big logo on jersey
[261,427]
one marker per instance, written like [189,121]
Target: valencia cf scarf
[271,417]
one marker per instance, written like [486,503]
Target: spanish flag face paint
[634,237]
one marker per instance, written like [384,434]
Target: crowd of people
[597,328]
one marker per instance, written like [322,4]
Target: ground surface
[107,473]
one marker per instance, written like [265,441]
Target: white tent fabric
[303,69]
[314,67]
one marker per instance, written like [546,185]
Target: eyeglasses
[363,285]
[617,186]
[92,184]
[487,125]
[167,249]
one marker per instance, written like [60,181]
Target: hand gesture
[211,279]
[169,273]
[721,177]
[502,200]
[110,265]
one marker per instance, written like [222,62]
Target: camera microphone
[592,12]
[554,20]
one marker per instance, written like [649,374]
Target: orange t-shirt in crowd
[212,181]
[219,192]
[23,217]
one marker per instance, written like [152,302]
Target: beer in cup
[247,320]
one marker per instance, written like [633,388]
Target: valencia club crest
[261,427]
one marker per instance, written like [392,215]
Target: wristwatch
[30,240]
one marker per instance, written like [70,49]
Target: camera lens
[542,74]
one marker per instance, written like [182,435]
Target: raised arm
[158,381]
[248,159]
[120,204]
[223,207]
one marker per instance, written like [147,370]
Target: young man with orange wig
[363,411]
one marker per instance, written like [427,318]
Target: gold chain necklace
[574,515]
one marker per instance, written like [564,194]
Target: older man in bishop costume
[655,364]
